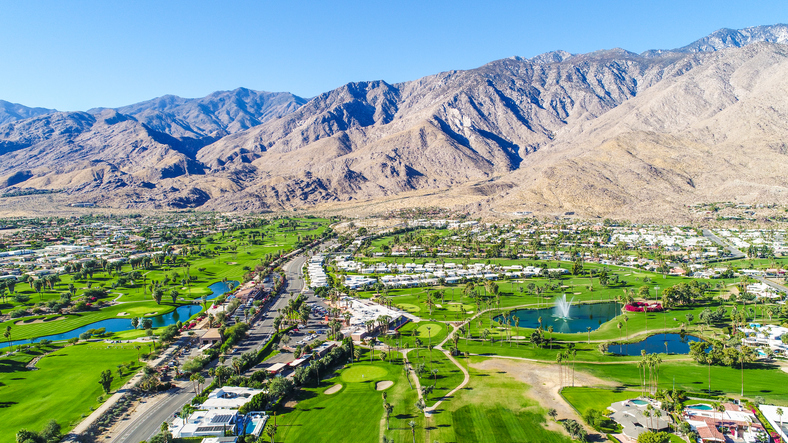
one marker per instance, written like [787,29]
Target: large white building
[229,397]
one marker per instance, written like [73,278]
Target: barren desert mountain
[215,115]
[11,112]
[609,133]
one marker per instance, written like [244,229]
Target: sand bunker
[152,313]
[334,389]
[38,320]
[122,314]
[383,385]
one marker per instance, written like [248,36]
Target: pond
[657,344]
[581,317]
[220,288]
[117,325]
[181,313]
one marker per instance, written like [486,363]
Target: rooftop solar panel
[210,428]
[225,418]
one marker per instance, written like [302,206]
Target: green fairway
[493,408]
[361,373]
[411,331]
[584,399]
[447,376]
[762,380]
[64,388]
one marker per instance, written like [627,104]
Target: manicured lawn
[351,415]
[64,388]
[584,399]
[762,380]
[410,331]
[448,377]
[493,408]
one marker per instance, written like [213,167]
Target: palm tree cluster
[563,372]
[296,310]
[648,372]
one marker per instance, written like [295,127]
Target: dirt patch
[38,320]
[334,389]
[545,384]
[383,385]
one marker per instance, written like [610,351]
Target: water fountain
[562,308]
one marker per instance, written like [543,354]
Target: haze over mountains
[610,133]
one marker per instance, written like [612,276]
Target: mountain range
[609,133]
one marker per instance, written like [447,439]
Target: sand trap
[439,306]
[383,385]
[469,312]
[152,313]
[122,314]
[784,368]
[578,293]
[39,320]
[334,389]
[231,263]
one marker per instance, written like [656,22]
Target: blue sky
[74,55]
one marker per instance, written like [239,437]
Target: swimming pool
[255,422]
[639,402]
[701,407]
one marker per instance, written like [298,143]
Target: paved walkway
[465,381]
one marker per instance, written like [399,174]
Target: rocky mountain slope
[11,112]
[216,115]
[609,133]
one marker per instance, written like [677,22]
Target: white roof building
[229,397]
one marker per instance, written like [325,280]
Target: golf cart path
[456,363]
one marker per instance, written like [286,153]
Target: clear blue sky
[74,55]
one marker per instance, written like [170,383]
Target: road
[735,253]
[147,424]
[773,285]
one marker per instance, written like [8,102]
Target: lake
[581,317]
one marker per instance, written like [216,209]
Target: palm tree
[550,330]
[626,323]
[589,334]
[7,335]
[412,425]
[388,408]
[779,412]
[573,352]
[558,359]
[271,431]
